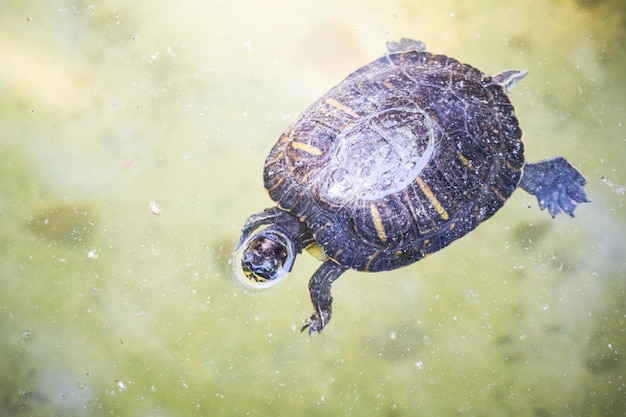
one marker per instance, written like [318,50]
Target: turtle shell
[406,155]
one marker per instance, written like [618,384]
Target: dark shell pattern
[406,155]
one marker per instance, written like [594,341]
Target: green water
[132,139]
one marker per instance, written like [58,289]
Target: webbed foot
[556,184]
[319,287]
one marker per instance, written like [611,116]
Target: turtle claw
[319,287]
[316,322]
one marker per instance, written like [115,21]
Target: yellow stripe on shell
[497,193]
[305,147]
[369,261]
[280,180]
[378,222]
[431,197]
[341,106]
[465,161]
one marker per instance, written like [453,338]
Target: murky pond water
[132,140]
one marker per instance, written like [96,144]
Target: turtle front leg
[556,184]
[319,287]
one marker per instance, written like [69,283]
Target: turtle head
[266,258]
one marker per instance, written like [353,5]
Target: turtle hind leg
[319,287]
[556,184]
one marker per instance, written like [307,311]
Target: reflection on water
[109,110]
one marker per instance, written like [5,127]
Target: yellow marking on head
[305,147]
[429,194]
[378,223]
[341,106]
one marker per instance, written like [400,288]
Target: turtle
[406,155]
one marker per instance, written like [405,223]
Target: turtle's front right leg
[319,287]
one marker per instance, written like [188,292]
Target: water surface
[132,142]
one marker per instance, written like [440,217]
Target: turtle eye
[266,258]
